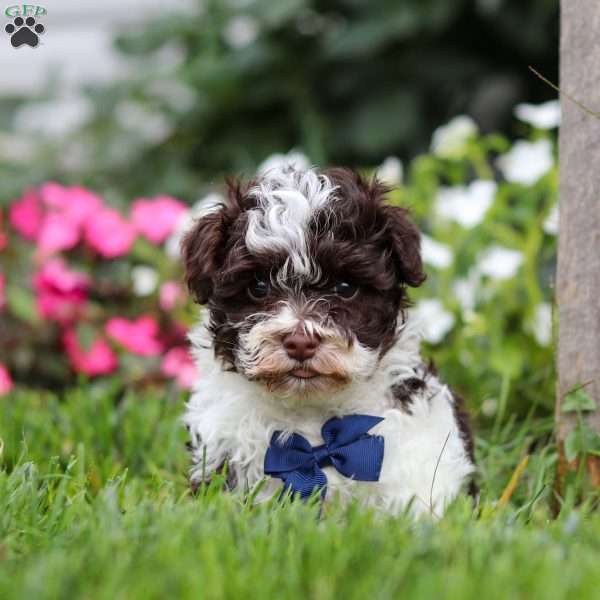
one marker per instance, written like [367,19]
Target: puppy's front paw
[206,468]
[221,475]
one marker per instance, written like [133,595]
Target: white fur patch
[287,198]
[425,462]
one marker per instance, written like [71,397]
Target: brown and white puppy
[305,278]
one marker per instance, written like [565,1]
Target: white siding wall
[77,42]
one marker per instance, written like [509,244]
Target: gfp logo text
[25,10]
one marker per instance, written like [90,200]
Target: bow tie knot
[321,455]
[348,448]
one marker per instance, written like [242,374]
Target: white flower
[76,155]
[449,140]
[526,162]
[499,263]
[466,205]
[145,280]
[200,208]
[550,225]
[541,326]
[16,148]
[434,320]
[390,171]
[435,253]
[542,116]
[465,290]
[178,96]
[241,31]
[489,407]
[150,125]
[293,159]
[173,245]
[58,117]
[167,58]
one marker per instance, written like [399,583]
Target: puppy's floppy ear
[405,241]
[392,223]
[201,248]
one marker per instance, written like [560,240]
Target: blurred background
[129,113]
[140,96]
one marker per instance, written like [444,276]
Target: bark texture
[578,282]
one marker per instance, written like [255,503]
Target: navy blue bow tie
[348,447]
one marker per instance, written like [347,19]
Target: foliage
[217,89]
[582,440]
[578,400]
[97,505]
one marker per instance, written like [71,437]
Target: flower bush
[489,214]
[89,291]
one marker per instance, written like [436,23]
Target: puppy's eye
[345,289]
[259,289]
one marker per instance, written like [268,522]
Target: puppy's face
[304,275]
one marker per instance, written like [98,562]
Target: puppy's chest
[416,443]
[249,450]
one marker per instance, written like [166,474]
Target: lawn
[94,504]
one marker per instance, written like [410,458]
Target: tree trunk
[578,282]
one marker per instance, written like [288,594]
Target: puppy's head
[305,276]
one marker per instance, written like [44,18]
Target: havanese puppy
[310,371]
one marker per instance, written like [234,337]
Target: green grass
[94,504]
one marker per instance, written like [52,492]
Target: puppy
[310,372]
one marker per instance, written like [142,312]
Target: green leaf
[578,400]
[86,335]
[21,303]
[276,14]
[508,358]
[582,440]
[591,440]
[572,445]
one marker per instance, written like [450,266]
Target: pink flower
[169,295]
[75,204]
[178,363]
[6,383]
[54,216]
[61,292]
[68,209]
[157,219]
[27,215]
[109,234]
[2,291]
[137,336]
[99,359]
[57,233]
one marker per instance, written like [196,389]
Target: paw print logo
[24,32]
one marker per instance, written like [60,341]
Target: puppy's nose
[300,346]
